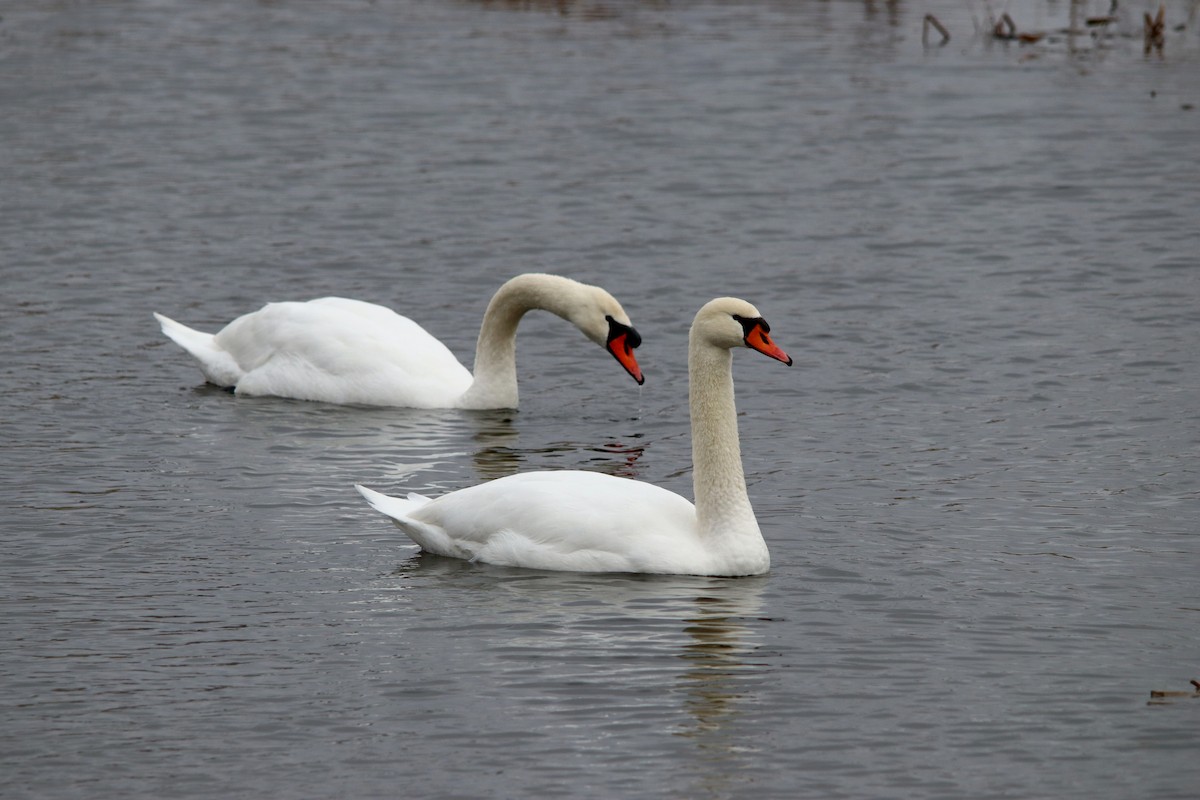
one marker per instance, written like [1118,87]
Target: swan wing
[562,520]
[341,351]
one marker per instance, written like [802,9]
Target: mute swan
[591,522]
[347,351]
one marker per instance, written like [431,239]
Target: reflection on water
[625,463]
[1089,29]
[719,659]
[581,9]
[578,646]
[612,458]
[406,450]
[719,648]
[310,437]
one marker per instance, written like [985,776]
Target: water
[978,483]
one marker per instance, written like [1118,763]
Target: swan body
[337,350]
[590,522]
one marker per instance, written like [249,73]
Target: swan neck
[722,503]
[495,371]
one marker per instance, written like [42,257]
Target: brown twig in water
[1107,19]
[1161,697]
[1155,30]
[932,21]
[1005,28]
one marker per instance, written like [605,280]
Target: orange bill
[758,338]
[622,339]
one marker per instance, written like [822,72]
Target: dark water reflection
[978,483]
[583,661]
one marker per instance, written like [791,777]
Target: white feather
[590,522]
[337,350]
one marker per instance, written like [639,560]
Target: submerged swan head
[729,322]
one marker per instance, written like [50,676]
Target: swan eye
[750,323]
[616,329]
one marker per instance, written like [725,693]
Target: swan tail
[428,537]
[395,507]
[216,364]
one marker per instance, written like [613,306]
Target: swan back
[345,351]
[565,520]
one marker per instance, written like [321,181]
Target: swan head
[728,322]
[601,318]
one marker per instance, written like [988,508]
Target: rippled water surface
[978,482]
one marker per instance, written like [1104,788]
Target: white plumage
[344,351]
[591,522]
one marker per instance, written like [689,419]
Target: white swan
[336,350]
[591,522]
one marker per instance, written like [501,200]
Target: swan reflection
[721,644]
[581,653]
[612,458]
[328,442]
[330,447]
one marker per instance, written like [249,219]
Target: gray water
[978,482]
